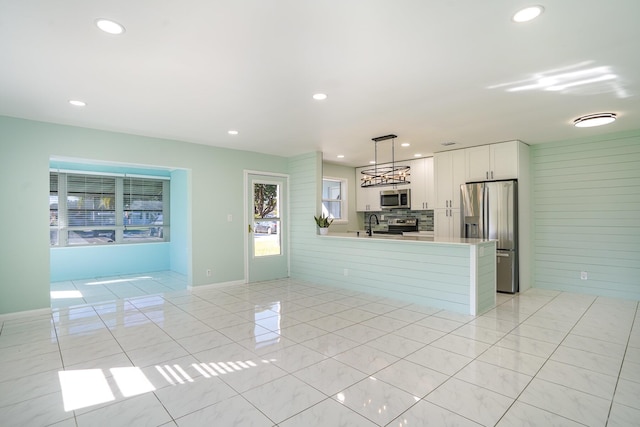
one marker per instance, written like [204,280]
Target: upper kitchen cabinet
[367,198]
[422,184]
[493,162]
[450,173]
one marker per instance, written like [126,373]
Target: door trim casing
[245,233]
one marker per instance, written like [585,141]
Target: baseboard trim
[216,285]
[26,313]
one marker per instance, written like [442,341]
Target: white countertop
[407,237]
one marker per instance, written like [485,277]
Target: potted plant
[323,223]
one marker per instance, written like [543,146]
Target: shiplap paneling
[416,272]
[429,274]
[586,214]
[486,295]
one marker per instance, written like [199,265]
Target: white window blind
[91,200]
[90,208]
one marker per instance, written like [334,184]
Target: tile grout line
[549,358]
[635,317]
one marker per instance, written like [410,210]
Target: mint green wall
[180,252]
[85,262]
[586,215]
[216,181]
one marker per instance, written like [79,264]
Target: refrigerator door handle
[485,212]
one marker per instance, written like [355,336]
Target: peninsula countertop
[406,237]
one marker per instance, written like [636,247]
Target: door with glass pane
[267,254]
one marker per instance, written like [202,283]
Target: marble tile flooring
[287,353]
[91,291]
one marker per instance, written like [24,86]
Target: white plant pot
[323,231]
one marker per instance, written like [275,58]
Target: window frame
[343,200]
[115,233]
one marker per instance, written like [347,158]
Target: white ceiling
[429,71]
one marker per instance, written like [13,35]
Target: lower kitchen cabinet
[447,222]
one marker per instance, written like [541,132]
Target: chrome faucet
[369,231]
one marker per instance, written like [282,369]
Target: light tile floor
[91,291]
[288,353]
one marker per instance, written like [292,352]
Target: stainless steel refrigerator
[490,211]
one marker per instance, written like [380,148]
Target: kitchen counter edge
[412,238]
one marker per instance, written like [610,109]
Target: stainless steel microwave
[395,199]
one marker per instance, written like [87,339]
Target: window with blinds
[333,198]
[94,209]
[53,209]
[91,200]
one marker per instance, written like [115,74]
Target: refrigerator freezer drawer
[506,272]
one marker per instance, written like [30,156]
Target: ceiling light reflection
[65,294]
[578,78]
[107,282]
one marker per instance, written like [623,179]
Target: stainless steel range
[401,225]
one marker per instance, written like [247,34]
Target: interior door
[267,242]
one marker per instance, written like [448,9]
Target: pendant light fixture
[385,175]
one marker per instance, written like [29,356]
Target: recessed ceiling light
[77,103]
[341,156]
[417,155]
[320,96]
[527,14]
[405,144]
[592,120]
[232,132]
[372,162]
[110,27]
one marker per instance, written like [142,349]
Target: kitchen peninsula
[455,274]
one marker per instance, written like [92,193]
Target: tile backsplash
[425,218]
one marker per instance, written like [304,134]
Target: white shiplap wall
[429,274]
[305,187]
[586,215]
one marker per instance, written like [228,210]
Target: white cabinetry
[492,162]
[450,173]
[367,198]
[422,184]
[447,223]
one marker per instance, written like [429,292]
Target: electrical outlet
[584,275]
[381,217]
[209,272]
